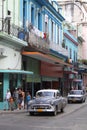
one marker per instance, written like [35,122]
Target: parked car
[76,96]
[47,100]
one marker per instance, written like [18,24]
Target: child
[11,101]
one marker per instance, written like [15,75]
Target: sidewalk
[13,112]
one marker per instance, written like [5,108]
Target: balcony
[12,33]
[39,43]
[58,48]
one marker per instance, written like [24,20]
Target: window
[39,21]
[74,56]
[57,34]
[70,53]
[32,15]
[45,26]
[1,87]
[52,32]
[13,82]
[46,23]
[9,13]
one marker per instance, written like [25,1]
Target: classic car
[47,100]
[76,96]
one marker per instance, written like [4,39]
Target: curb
[25,111]
[13,112]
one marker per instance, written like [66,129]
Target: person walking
[20,98]
[11,103]
[15,97]
[28,98]
[23,100]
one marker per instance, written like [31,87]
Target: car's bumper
[75,99]
[40,109]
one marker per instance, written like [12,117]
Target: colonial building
[32,53]
[45,54]
[11,71]
[75,13]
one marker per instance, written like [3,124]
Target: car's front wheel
[55,112]
[31,113]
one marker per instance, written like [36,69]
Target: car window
[43,94]
[76,92]
[39,94]
[58,94]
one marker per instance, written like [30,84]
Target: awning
[16,71]
[46,58]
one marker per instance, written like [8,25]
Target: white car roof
[76,90]
[48,90]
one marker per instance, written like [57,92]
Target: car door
[59,100]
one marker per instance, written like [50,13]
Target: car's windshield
[76,92]
[43,94]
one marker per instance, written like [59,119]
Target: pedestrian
[23,99]
[15,97]
[28,98]
[11,103]
[8,96]
[21,96]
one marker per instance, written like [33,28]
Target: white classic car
[76,96]
[47,100]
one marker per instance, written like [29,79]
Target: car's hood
[42,100]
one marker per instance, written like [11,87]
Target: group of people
[17,100]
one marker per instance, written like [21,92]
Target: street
[73,118]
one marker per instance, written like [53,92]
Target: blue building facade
[11,71]
[71,44]
[37,37]
[44,55]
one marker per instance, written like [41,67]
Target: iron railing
[9,28]
[43,44]
[38,42]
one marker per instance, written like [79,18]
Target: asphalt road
[73,118]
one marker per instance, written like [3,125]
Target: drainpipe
[2,14]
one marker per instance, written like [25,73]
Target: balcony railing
[58,48]
[38,42]
[11,29]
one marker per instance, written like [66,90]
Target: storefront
[10,79]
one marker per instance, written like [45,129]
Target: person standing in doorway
[15,97]
[23,99]
[8,96]
[20,98]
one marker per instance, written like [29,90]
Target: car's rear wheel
[62,109]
